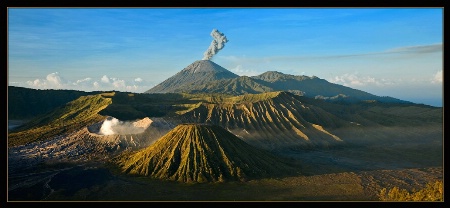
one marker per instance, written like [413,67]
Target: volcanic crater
[113,126]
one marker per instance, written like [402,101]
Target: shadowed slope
[68,118]
[25,103]
[316,87]
[202,153]
[205,76]
[236,86]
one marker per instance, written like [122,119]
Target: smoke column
[114,126]
[216,45]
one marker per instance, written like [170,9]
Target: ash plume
[216,45]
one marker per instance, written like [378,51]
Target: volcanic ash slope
[202,153]
[196,74]
[273,121]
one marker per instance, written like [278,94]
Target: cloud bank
[104,83]
[355,80]
[437,78]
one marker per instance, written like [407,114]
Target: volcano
[198,73]
[205,76]
[199,153]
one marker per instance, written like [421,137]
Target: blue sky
[393,52]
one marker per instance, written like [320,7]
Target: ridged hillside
[70,117]
[314,86]
[196,74]
[236,86]
[202,153]
[270,120]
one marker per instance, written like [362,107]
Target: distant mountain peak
[198,73]
[204,66]
[273,72]
[273,76]
[205,76]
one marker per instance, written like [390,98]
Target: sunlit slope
[270,120]
[70,117]
[87,110]
[202,153]
[131,106]
[198,73]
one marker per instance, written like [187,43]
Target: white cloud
[35,83]
[437,78]
[355,80]
[96,85]
[418,49]
[119,84]
[104,83]
[54,80]
[105,79]
[132,88]
[84,80]
[239,70]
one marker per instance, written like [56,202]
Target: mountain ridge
[209,77]
[272,120]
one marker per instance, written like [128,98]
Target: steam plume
[115,126]
[216,45]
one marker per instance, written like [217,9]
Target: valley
[331,175]
[206,134]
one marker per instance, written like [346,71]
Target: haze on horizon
[395,52]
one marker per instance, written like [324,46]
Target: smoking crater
[218,42]
[111,126]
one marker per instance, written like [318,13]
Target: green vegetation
[432,192]
[126,106]
[71,117]
[269,120]
[197,153]
[274,76]
[235,86]
[25,103]
[272,114]
[208,77]
[251,98]
[315,87]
